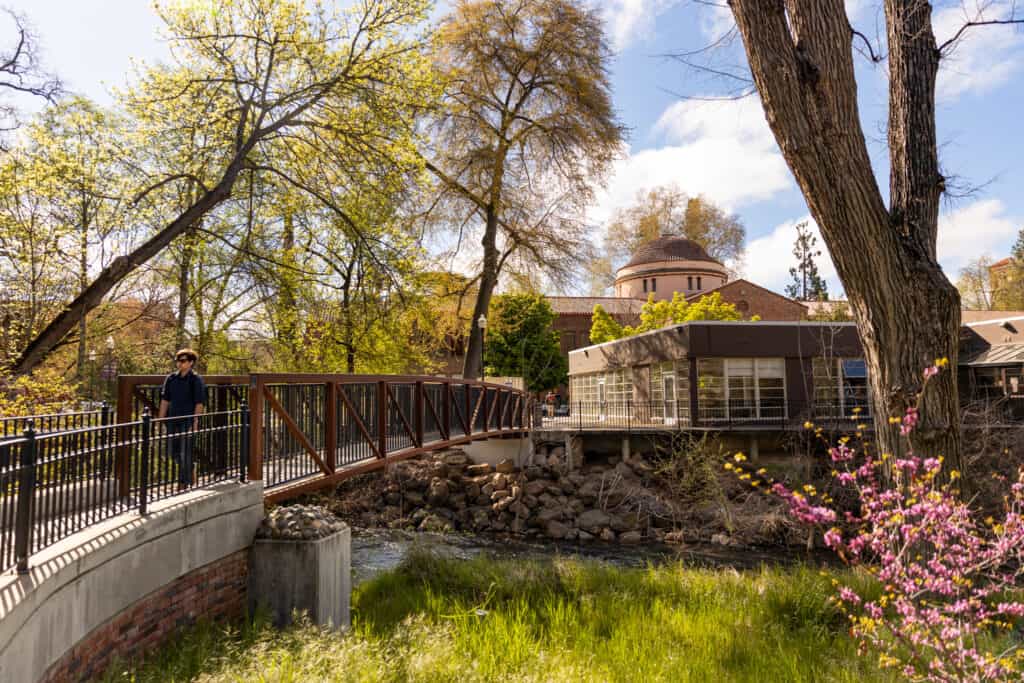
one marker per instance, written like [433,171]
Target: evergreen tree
[807,284]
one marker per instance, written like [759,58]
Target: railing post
[446,409]
[26,492]
[469,408]
[255,428]
[417,405]
[331,425]
[243,456]
[147,427]
[382,418]
[123,453]
[485,408]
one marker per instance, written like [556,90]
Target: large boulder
[455,458]
[631,538]
[536,487]
[435,523]
[593,521]
[478,470]
[555,529]
[549,513]
[438,492]
[625,522]
[506,466]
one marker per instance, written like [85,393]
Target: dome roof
[669,248]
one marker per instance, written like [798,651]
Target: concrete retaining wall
[77,587]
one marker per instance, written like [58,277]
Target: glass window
[741,388]
[698,282]
[711,388]
[654,284]
[689,282]
[741,392]
[645,284]
[840,387]
[771,387]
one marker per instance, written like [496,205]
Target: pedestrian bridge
[311,431]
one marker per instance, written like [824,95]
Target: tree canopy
[521,342]
[657,314]
[526,129]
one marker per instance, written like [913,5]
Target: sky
[679,135]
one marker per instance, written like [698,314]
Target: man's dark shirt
[183,393]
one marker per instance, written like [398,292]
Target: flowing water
[379,550]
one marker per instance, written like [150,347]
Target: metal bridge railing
[55,484]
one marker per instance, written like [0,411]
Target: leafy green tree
[321,97]
[807,284]
[521,343]
[75,148]
[657,314]
[526,129]
[603,327]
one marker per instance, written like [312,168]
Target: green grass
[488,620]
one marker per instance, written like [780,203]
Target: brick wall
[215,591]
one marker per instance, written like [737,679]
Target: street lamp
[481,322]
[108,363]
[92,374]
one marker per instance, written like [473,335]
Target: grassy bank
[488,620]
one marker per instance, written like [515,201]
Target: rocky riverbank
[627,501]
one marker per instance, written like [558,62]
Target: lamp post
[109,371]
[481,322]
[92,374]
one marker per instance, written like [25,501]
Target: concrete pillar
[313,576]
[755,453]
[625,448]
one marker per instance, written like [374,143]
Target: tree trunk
[473,364]
[122,266]
[184,268]
[907,311]
[83,282]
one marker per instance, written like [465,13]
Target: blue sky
[723,150]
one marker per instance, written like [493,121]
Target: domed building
[669,264]
[662,267]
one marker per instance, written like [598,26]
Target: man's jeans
[180,448]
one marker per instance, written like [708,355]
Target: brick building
[661,268]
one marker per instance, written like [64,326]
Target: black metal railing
[13,427]
[55,484]
[674,415]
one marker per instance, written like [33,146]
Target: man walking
[183,396]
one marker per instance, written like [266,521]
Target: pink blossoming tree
[951,592]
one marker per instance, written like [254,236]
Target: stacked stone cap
[299,523]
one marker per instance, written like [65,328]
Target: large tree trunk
[122,266]
[906,309]
[184,268]
[473,365]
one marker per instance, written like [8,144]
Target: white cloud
[977,229]
[723,150]
[980,228]
[984,57]
[630,20]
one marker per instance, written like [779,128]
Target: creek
[379,550]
